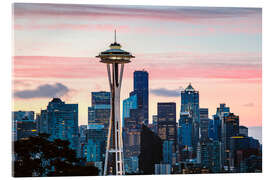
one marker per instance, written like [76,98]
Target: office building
[25,128]
[141,89]
[100,110]
[204,123]
[190,104]
[150,151]
[23,124]
[167,121]
[96,140]
[61,121]
[231,128]
[162,169]
[128,104]
[83,141]
[243,130]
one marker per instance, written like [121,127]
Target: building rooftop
[189,88]
[56,100]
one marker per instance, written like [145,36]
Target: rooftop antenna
[115,35]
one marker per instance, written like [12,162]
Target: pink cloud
[81,27]
[71,67]
[57,67]
[240,20]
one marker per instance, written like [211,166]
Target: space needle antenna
[115,35]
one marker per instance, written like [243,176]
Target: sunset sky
[217,50]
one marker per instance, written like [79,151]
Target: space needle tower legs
[115,58]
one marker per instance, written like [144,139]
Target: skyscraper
[185,136]
[150,151]
[82,141]
[167,127]
[42,122]
[23,127]
[231,128]
[190,104]
[131,137]
[204,123]
[100,110]
[140,86]
[96,142]
[23,124]
[243,130]
[128,104]
[135,114]
[63,121]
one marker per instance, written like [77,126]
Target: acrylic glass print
[121,90]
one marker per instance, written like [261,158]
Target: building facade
[141,89]
[62,120]
[190,104]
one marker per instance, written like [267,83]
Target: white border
[6,78]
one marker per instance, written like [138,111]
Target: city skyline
[40,62]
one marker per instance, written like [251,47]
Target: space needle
[115,58]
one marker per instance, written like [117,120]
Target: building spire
[115,36]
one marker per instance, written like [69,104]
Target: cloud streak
[150,12]
[166,92]
[43,91]
[251,104]
[72,67]
[237,20]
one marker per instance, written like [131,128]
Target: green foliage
[38,156]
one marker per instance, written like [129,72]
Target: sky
[217,50]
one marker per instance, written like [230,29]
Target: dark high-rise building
[155,123]
[245,154]
[131,137]
[185,136]
[42,122]
[100,110]
[140,85]
[25,128]
[101,98]
[209,155]
[96,138]
[62,121]
[243,130]
[20,115]
[231,128]
[23,124]
[167,121]
[98,123]
[150,151]
[204,123]
[204,113]
[128,104]
[167,128]
[217,130]
[82,141]
[190,104]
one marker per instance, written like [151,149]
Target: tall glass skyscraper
[128,104]
[140,85]
[167,129]
[190,104]
[100,110]
[96,138]
[204,123]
